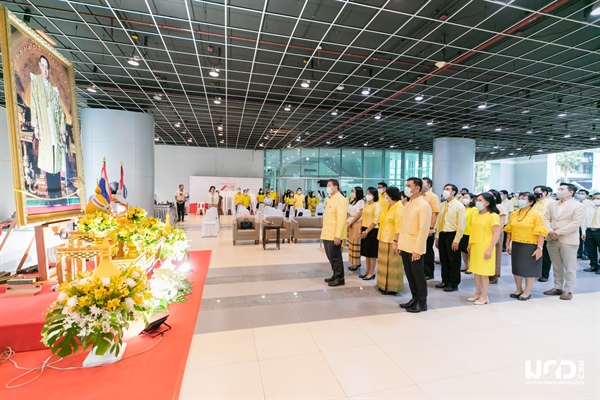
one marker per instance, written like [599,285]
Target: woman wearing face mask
[503,220]
[485,231]
[390,274]
[260,198]
[354,213]
[527,230]
[369,246]
[312,202]
[468,200]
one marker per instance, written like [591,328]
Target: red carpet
[155,374]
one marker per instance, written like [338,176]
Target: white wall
[120,136]
[453,162]
[175,165]
[7,197]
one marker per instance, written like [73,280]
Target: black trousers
[334,255]
[546,262]
[450,259]
[592,245]
[429,256]
[582,251]
[180,211]
[415,274]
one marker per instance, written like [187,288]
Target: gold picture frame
[45,146]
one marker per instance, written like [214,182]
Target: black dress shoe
[441,285]
[590,269]
[368,278]
[330,279]
[522,298]
[450,288]
[515,295]
[409,304]
[428,277]
[336,283]
[542,279]
[416,308]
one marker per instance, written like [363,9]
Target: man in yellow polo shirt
[411,243]
[334,231]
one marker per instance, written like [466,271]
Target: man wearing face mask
[298,200]
[434,202]
[334,231]
[247,199]
[383,203]
[238,198]
[582,197]
[541,205]
[411,243]
[563,219]
[591,233]
[449,228]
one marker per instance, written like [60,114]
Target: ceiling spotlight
[328,142]
[298,139]
[518,149]
[289,145]
[92,88]
[429,123]
[511,154]
[366,144]
[157,97]
[287,108]
[261,145]
[593,138]
[177,124]
[334,112]
[156,139]
[525,111]
[498,129]
[135,61]
[305,83]
[392,146]
[482,106]
[365,91]
[529,132]
[340,87]
[214,72]
[496,146]
[419,97]
[378,116]
[190,140]
[568,135]
[340,136]
[540,150]
[440,64]
[217,100]
[221,141]
[562,114]
[493,152]
[220,127]
[220,133]
[595,10]
[466,126]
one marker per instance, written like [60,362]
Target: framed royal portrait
[43,126]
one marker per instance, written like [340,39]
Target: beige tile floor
[462,352]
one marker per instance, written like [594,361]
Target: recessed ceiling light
[419,97]
[328,142]
[366,144]
[334,112]
[593,138]
[217,100]
[135,61]
[430,122]
[518,149]
[440,64]
[482,106]
[595,10]
[529,132]
[496,146]
[157,97]
[261,145]
[340,87]
[562,114]
[498,129]
[190,140]
[305,83]
[340,136]
[392,146]
[298,139]
[492,152]
[220,133]
[568,135]
[365,91]
[287,108]
[92,89]
[289,145]
[156,139]
[466,126]
[378,116]
[221,141]
[511,154]
[540,150]
[525,111]
[220,127]
[214,72]
[177,124]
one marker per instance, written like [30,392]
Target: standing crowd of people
[395,230]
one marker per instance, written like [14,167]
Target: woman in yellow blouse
[527,229]
[390,272]
[260,198]
[468,200]
[369,246]
[485,231]
[312,202]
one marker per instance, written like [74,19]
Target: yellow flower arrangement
[136,213]
[175,243]
[93,311]
[98,223]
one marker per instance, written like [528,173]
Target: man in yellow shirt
[434,202]
[238,198]
[334,231]
[411,243]
[449,229]
[542,193]
[246,200]
[383,203]
[298,200]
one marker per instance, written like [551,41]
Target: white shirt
[590,212]
[508,206]
[181,196]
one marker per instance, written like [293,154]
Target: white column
[120,136]
[453,162]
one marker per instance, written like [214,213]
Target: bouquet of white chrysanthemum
[168,286]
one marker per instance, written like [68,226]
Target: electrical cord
[8,354]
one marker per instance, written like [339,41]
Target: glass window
[290,163]
[373,164]
[411,165]
[271,170]
[351,162]
[329,165]
[393,167]
[309,162]
[427,164]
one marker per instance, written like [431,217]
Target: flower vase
[94,360]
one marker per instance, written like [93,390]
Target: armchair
[307,228]
[245,234]
[283,223]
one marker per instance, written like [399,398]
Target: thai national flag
[103,183]
[122,187]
